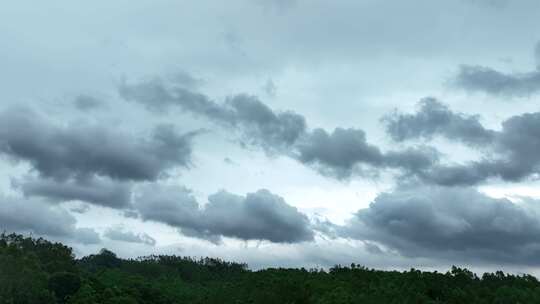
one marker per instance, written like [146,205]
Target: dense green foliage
[40,272]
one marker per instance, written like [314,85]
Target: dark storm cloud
[343,151]
[263,126]
[450,223]
[434,118]
[509,154]
[340,150]
[339,153]
[98,191]
[119,234]
[475,78]
[32,216]
[519,142]
[75,151]
[256,216]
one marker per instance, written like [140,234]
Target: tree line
[37,271]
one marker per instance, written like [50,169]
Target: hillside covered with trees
[41,272]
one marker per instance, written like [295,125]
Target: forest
[37,271]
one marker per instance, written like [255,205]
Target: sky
[281,133]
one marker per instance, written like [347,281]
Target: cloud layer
[340,153]
[104,146]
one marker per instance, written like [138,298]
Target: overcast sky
[392,134]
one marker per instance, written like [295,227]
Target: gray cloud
[340,153]
[509,154]
[516,148]
[120,234]
[344,151]
[519,143]
[476,78]
[340,150]
[264,127]
[32,216]
[450,223]
[157,98]
[99,191]
[435,118]
[256,216]
[80,151]
[86,103]
[412,160]
[258,124]
[468,174]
